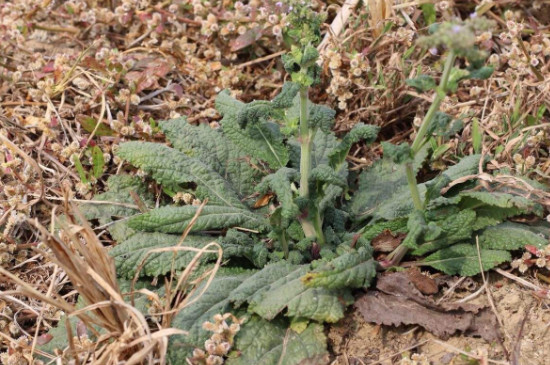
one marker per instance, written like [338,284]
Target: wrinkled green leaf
[510,236]
[212,148]
[463,259]
[280,183]
[174,219]
[354,269]
[130,253]
[359,132]
[262,342]
[172,168]
[422,83]
[260,140]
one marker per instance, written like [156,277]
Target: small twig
[489,296]
[521,281]
[516,355]
[338,23]
[261,59]
[451,289]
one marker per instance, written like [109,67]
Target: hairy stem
[415,193]
[397,255]
[318,224]
[311,228]
[419,140]
[439,96]
[305,140]
[284,243]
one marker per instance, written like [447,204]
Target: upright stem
[395,257]
[441,91]
[421,135]
[311,228]
[318,225]
[305,141]
[415,193]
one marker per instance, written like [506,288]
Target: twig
[490,299]
[261,59]
[338,23]
[521,281]
[517,347]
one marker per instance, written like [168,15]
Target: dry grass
[110,329]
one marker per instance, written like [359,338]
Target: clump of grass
[110,329]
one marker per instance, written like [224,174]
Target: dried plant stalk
[379,11]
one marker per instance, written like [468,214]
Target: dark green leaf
[422,83]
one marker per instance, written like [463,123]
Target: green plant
[445,225]
[275,180]
[290,262]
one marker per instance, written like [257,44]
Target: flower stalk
[421,137]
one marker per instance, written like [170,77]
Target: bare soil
[356,342]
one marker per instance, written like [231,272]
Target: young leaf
[261,140]
[477,136]
[98,162]
[89,124]
[80,169]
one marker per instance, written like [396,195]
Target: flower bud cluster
[533,257]
[217,347]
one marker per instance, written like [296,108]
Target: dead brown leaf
[399,302]
[387,241]
[422,282]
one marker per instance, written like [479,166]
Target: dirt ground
[356,342]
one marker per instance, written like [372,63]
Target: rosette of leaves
[274,175]
[464,231]
[226,166]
